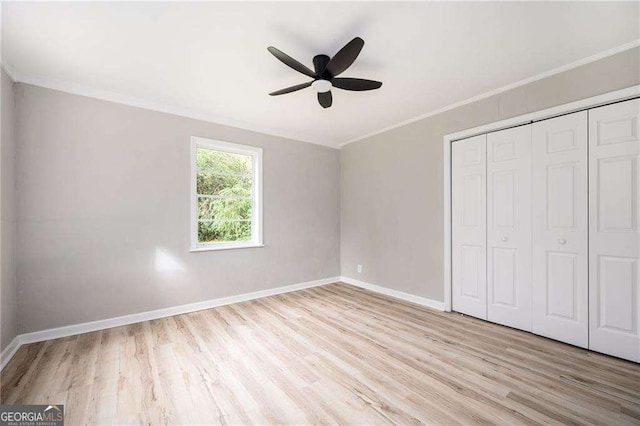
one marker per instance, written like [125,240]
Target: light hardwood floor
[332,354]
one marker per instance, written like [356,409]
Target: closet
[545,233]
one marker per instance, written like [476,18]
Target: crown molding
[120,98]
[10,72]
[567,67]
[110,96]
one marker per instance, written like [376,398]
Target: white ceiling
[212,59]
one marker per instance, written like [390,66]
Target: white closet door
[614,216]
[560,243]
[509,227]
[469,231]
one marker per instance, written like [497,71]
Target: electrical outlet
[359,269]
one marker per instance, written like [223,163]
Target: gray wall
[8,301]
[392,194]
[103,192]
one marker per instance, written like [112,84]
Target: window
[226,195]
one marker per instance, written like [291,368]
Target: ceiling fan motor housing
[320,64]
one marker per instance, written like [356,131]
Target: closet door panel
[560,243]
[468,207]
[614,216]
[509,227]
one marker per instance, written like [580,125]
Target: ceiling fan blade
[325,99]
[290,62]
[345,57]
[290,89]
[355,84]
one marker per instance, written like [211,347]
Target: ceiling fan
[326,71]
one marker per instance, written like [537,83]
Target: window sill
[229,247]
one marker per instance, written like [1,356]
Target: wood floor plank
[468,366]
[335,354]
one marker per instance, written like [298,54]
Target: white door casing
[560,242]
[468,244]
[509,227]
[614,237]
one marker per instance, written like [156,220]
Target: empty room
[354,213]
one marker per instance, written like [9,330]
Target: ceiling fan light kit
[322,86]
[325,72]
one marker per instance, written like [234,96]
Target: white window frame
[256,193]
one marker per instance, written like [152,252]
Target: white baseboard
[9,351]
[87,327]
[429,303]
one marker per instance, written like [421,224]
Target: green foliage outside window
[227,216]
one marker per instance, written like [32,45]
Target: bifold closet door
[560,243]
[509,227]
[468,220]
[614,237]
